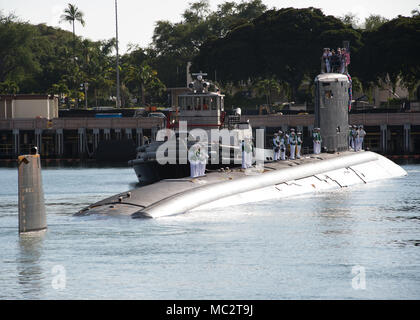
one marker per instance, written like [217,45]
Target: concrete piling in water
[32,215]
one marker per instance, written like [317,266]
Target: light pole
[86,85]
[118,58]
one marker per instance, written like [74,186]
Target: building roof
[26,96]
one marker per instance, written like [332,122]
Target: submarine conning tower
[331,110]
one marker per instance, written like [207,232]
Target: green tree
[415,12]
[175,44]
[72,14]
[350,19]
[17,59]
[391,52]
[146,79]
[266,87]
[374,21]
[8,87]
[285,44]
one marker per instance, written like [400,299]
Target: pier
[387,133]
[76,139]
[72,138]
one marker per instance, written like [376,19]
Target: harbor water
[361,242]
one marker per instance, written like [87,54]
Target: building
[28,106]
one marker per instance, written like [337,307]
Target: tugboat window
[206,103]
[197,104]
[181,103]
[213,104]
[189,103]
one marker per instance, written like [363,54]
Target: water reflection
[30,274]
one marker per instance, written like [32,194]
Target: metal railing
[76,123]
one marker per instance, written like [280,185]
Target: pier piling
[32,215]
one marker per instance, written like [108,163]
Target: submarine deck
[135,200]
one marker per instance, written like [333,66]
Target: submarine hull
[276,180]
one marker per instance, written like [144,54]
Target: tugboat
[200,108]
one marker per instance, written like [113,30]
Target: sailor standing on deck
[282,137]
[276,147]
[292,143]
[299,144]
[193,159]
[317,139]
[361,133]
[243,154]
[353,136]
[247,153]
[202,160]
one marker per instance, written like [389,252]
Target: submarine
[337,167]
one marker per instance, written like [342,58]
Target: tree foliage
[285,44]
[239,42]
[17,59]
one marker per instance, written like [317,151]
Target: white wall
[45,108]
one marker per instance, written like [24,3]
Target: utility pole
[86,85]
[118,58]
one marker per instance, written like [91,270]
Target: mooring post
[32,216]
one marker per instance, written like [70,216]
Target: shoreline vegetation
[242,46]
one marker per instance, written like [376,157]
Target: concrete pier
[387,133]
[70,138]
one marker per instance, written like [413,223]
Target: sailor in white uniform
[361,133]
[299,145]
[292,143]
[202,160]
[243,154]
[247,153]
[276,147]
[282,145]
[193,159]
[353,137]
[317,139]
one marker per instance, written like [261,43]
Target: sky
[136,18]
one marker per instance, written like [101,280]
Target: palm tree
[266,87]
[146,78]
[71,15]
